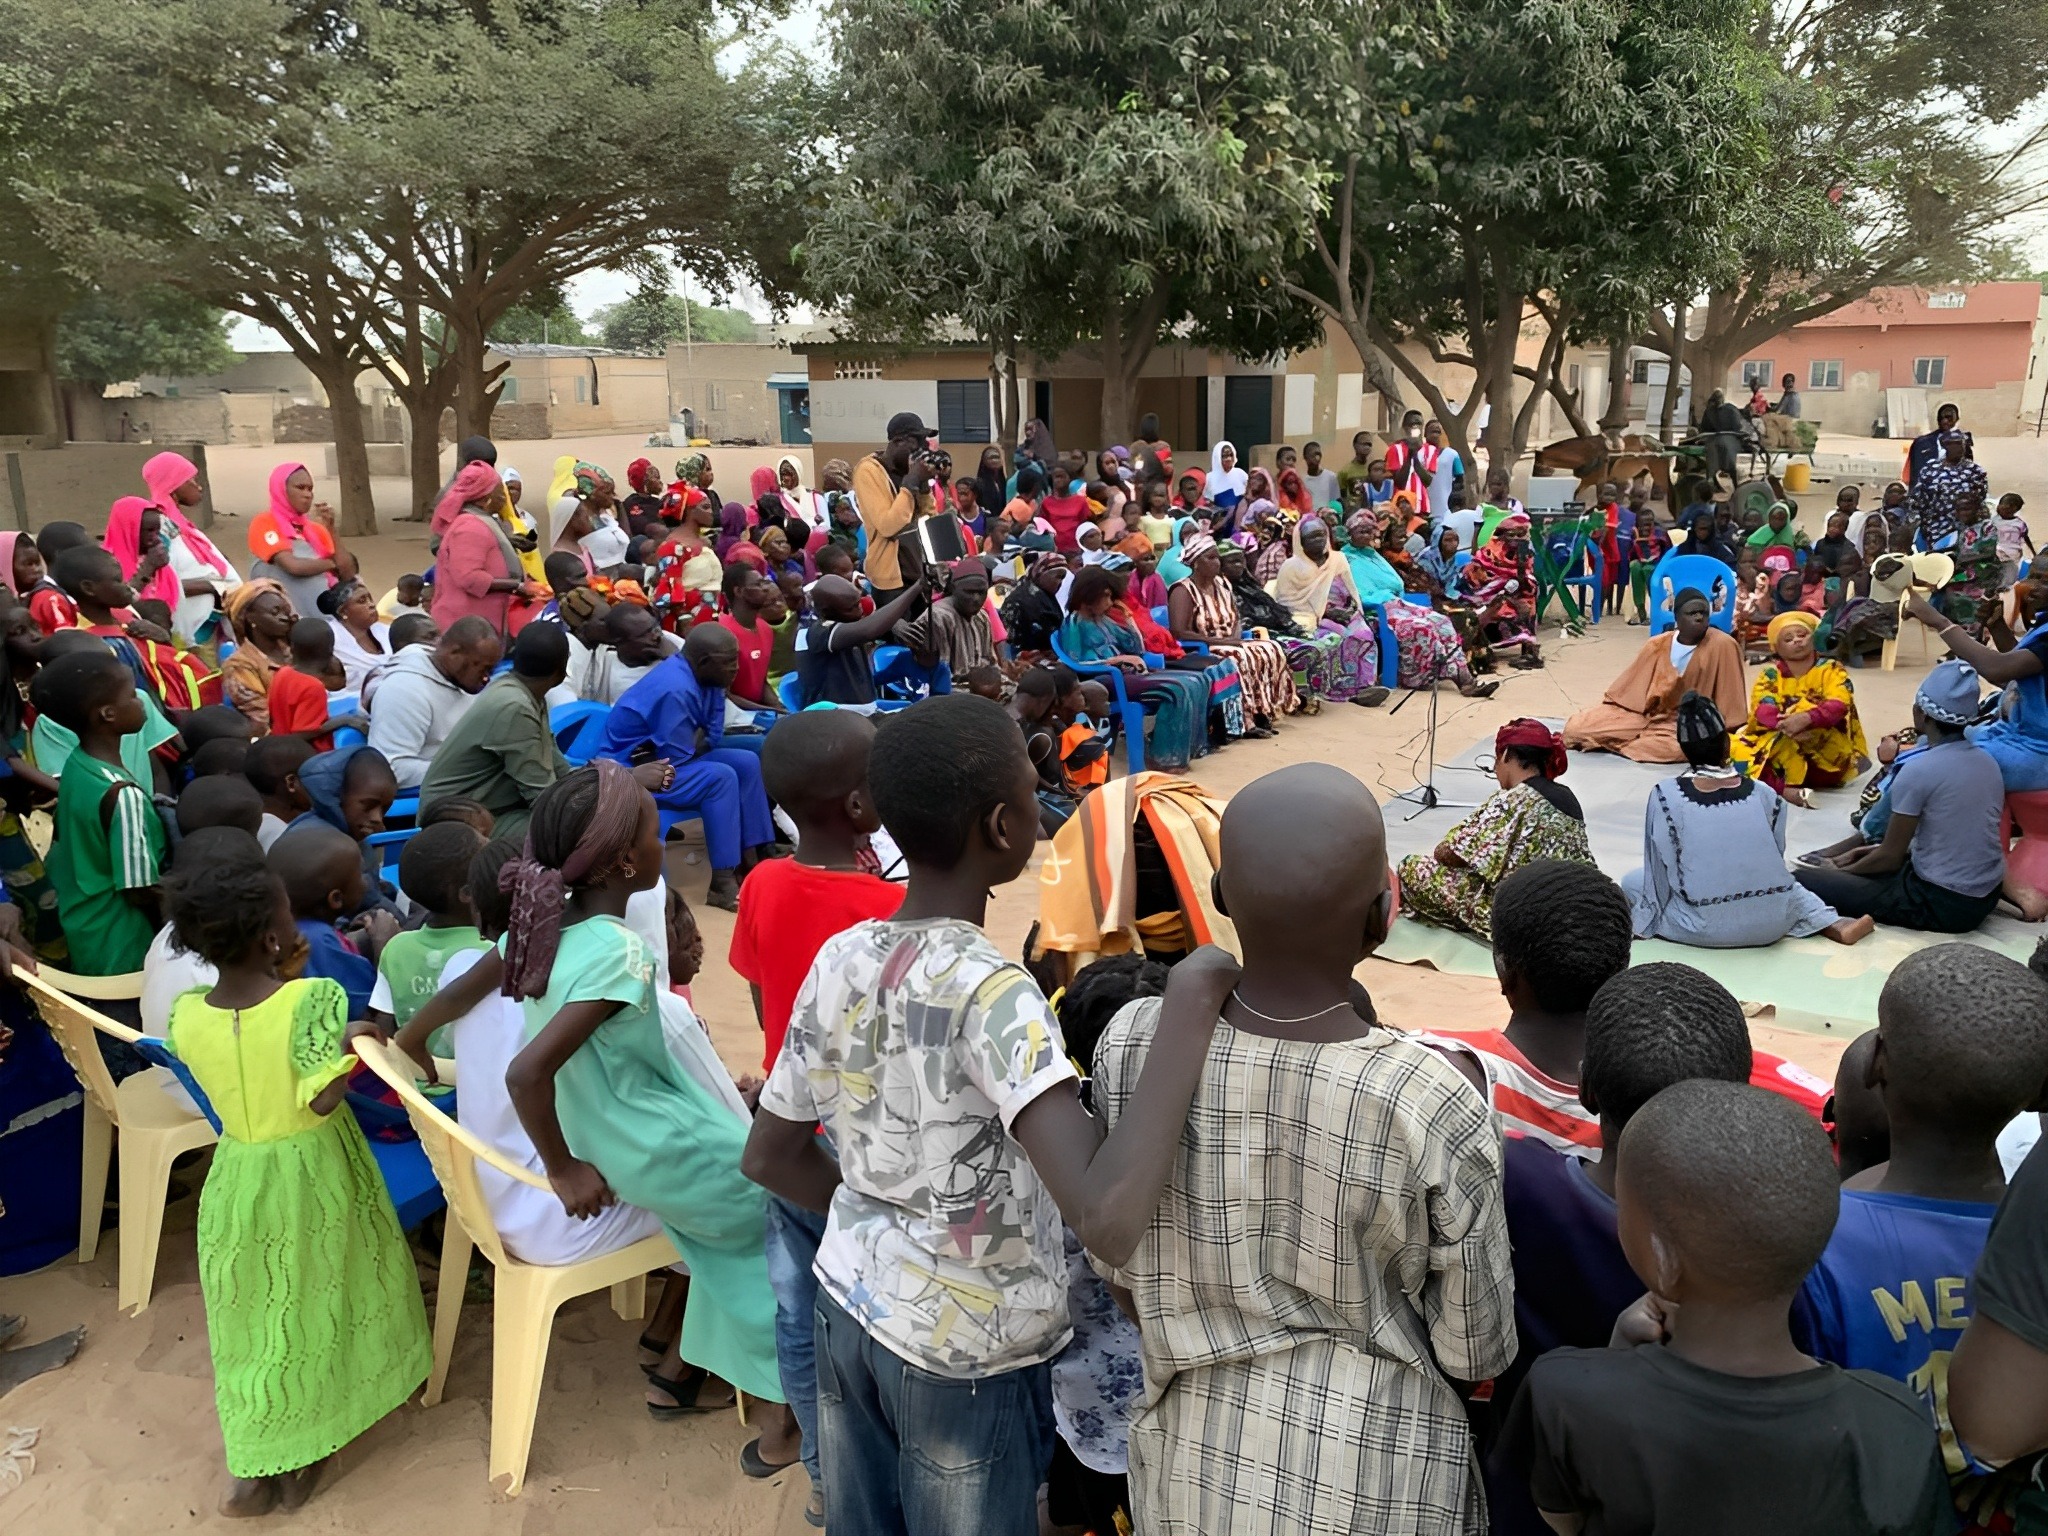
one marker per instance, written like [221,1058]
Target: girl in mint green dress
[608,1108]
[313,1306]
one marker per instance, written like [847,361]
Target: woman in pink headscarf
[294,542]
[165,557]
[477,570]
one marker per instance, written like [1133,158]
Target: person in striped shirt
[1561,931]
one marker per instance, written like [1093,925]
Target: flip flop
[756,1466]
[1485,690]
[685,1393]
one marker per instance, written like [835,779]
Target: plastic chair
[527,1296]
[899,676]
[1130,711]
[1888,657]
[155,1129]
[2026,861]
[1674,573]
[340,704]
[1388,646]
[1567,556]
[390,845]
[578,728]
[791,691]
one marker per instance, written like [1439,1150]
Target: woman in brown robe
[1637,716]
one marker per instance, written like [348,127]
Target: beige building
[584,391]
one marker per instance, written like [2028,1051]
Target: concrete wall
[592,394]
[79,481]
[724,385]
[28,386]
[1986,368]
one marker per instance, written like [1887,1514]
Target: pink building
[1903,351]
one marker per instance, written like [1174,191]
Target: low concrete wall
[79,481]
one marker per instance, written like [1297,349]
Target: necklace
[1273,1019]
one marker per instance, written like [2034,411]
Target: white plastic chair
[527,1295]
[155,1129]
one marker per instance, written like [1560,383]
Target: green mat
[1814,985]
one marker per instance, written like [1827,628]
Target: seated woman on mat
[1803,732]
[1713,870]
[1637,714]
[1941,862]
[1533,817]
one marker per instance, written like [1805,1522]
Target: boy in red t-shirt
[815,766]
[298,693]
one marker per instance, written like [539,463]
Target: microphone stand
[1425,796]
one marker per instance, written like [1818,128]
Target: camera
[938,461]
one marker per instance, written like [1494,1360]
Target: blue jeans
[909,1453]
[793,1237]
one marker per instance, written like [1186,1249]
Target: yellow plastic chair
[527,1295]
[155,1129]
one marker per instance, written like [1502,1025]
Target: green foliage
[650,318]
[544,317]
[106,338]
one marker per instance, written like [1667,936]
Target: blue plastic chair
[578,727]
[1677,571]
[1389,646]
[389,844]
[898,675]
[1130,712]
[791,690]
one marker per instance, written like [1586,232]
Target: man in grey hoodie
[418,699]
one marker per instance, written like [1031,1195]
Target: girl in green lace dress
[312,1302]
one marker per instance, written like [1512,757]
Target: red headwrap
[640,475]
[1533,733]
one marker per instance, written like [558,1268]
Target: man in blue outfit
[677,712]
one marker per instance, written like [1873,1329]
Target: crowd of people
[969,1245]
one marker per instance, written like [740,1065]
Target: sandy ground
[129,1439]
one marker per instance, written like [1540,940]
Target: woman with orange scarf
[294,542]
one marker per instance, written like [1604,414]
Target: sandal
[685,1393]
[756,1466]
[1485,690]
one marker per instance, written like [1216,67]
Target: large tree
[1488,169]
[1048,175]
[1903,143]
[108,337]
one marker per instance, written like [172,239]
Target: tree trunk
[1615,418]
[1711,358]
[476,396]
[356,518]
[1679,312]
[1116,394]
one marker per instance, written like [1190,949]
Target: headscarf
[1363,527]
[1038,445]
[1201,478]
[541,894]
[640,475]
[1194,546]
[8,540]
[763,481]
[290,525]
[1305,586]
[163,474]
[799,500]
[1172,565]
[510,476]
[1223,482]
[563,481]
[691,465]
[475,484]
[1533,733]
[1138,547]
[1293,493]
[1791,618]
[1258,487]
[123,540]
[239,600]
[732,529]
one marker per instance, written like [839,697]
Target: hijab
[1293,493]
[540,894]
[1173,565]
[989,491]
[8,541]
[123,540]
[763,481]
[1224,482]
[475,484]
[1038,444]
[239,601]
[163,474]
[1534,733]
[1304,586]
[799,500]
[290,525]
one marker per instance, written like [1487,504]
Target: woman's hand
[153,560]
[1796,724]
[1129,663]
[323,514]
[582,1190]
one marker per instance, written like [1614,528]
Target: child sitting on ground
[1725,1197]
[815,766]
[313,1307]
[930,1061]
[298,693]
[1561,931]
[322,871]
[111,845]
[272,766]
[433,871]
[1649,1027]
[1962,1046]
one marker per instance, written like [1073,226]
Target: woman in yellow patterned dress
[1803,732]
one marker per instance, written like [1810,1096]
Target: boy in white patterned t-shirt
[935,1068]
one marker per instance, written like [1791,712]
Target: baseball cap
[907,424]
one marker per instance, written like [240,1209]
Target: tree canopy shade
[108,337]
[1902,144]
[1051,175]
[651,317]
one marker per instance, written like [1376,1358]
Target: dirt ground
[129,1442]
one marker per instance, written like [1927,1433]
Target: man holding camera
[892,489]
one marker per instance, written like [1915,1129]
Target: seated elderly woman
[1312,658]
[1713,870]
[1316,586]
[1533,817]
[1637,715]
[1803,733]
[1428,642]
[1202,607]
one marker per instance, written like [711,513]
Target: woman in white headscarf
[1226,483]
